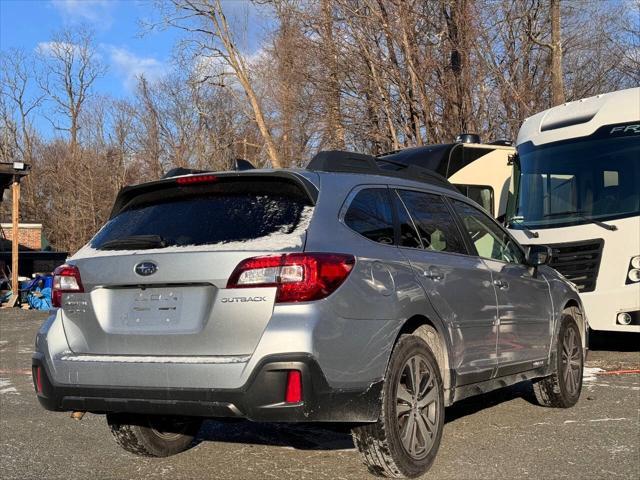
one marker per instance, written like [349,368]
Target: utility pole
[15,215]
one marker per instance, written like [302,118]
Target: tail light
[66,279]
[299,277]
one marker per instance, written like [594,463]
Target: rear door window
[370,214]
[231,213]
[408,233]
[436,227]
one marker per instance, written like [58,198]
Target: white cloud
[51,48]
[131,66]
[84,10]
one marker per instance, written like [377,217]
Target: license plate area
[153,307]
[153,310]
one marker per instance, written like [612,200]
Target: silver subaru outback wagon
[350,291]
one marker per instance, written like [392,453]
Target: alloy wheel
[571,361]
[417,406]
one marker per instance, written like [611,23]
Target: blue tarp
[37,292]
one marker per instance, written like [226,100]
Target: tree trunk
[557,83]
[334,128]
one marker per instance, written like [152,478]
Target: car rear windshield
[193,215]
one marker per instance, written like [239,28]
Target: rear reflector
[299,277]
[37,379]
[66,279]
[294,387]
[196,179]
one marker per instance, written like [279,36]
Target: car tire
[153,436]
[405,439]
[562,389]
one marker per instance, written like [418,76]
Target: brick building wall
[29,234]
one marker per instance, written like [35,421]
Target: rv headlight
[635,262]
[634,275]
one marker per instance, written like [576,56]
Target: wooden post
[15,214]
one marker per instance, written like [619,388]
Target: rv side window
[481,194]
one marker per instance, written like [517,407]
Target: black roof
[352,162]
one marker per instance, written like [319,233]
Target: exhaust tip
[77,415]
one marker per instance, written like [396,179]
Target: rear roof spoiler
[126,194]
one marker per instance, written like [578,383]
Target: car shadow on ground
[297,436]
[337,436]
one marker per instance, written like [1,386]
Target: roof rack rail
[353,162]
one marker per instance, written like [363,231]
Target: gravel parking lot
[499,435]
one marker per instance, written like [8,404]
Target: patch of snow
[608,419]
[155,359]
[7,388]
[589,374]
[276,241]
[596,420]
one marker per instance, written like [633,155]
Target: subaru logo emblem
[146,268]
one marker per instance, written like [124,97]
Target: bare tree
[214,38]
[70,68]
[17,74]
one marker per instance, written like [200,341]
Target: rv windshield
[575,182]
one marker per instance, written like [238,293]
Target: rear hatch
[154,276]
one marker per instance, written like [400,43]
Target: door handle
[501,284]
[434,275]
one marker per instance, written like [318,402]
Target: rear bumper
[260,399]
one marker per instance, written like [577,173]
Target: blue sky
[121,44]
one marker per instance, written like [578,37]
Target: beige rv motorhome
[481,171]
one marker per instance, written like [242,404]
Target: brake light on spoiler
[66,279]
[299,277]
[196,179]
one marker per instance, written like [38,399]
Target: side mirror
[538,255]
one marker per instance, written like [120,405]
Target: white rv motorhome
[576,188]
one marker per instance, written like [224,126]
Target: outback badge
[146,268]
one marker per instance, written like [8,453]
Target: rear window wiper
[135,242]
